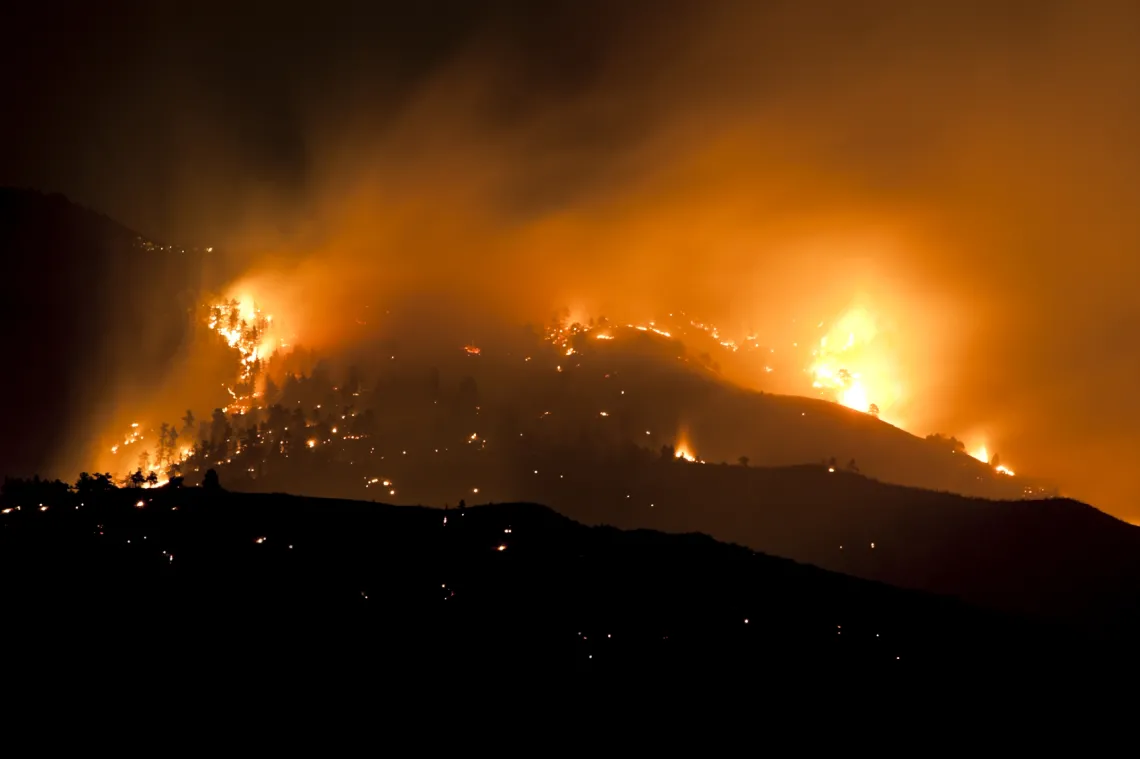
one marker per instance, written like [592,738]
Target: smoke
[962,170]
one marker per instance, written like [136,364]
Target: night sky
[968,169]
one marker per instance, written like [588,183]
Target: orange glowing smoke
[852,367]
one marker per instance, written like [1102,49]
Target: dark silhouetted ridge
[180,583]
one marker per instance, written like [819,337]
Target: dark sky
[966,168]
[141,107]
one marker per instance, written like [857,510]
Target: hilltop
[186,582]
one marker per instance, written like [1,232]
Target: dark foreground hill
[167,584]
[1054,559]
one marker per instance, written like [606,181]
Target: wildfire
[683,449]
[983,455]
[240,322]
[849,368]
[848,365]
[244,328]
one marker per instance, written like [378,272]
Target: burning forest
[502,420]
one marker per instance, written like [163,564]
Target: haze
[964,170]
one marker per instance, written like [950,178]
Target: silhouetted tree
[162,452]
[19,491]
[995,462]
[873,410]
[278,418]
[249,439]
[188,422]
[952,443]
[292,387]
[743,460]
[137,479]
[172,443]
[144,460]
[352,384]
[85,484]
[852,466]
[269,395]
[211,481]
[152,478]
[205,451]
[668,453]
[831,461]
[90,485]
[219,433]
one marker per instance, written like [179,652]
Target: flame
[850,366]
[683,449]
[245,329]
[983,455]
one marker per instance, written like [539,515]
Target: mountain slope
[86,301]
[1054,558]
[667,391]
[270,585]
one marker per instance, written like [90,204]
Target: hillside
[669,389]
[1054,558]
[281,587]
[117,308]
[596,442]
[87,303]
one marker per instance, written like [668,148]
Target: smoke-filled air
[616,233]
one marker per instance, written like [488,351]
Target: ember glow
[683,449]
[982,454]
[253,335]
[852,367]
[255,339]
[683,453]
